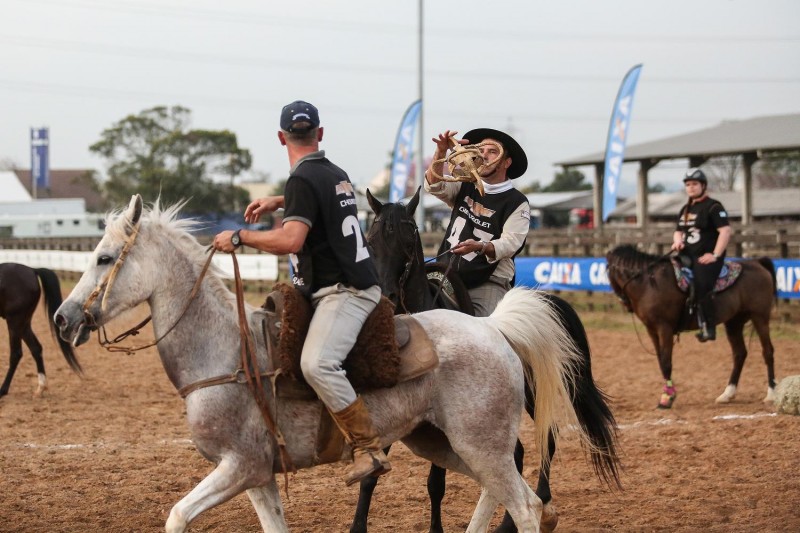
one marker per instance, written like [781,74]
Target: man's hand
[677,246]
[222,242]
[259,206]
[470,246]
[443,142]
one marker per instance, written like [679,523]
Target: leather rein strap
[253,376]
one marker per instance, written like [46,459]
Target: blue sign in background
[589,274]
[40,164]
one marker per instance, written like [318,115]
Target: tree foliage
[778,170]
[155,154]
[568,180]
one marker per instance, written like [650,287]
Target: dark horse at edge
[19,296]
[397,249]
[646,285]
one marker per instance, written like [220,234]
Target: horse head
[394,243]
[120,274]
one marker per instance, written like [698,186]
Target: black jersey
[699,222]
[481,218]
[319,193]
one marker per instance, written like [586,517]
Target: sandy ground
[111,452]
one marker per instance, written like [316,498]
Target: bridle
[108,282]
[634,274]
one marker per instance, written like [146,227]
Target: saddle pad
[374,361]
[727,276]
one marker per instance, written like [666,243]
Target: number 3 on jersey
[349,227]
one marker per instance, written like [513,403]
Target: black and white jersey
[699,222]
[319,194]
[480,218]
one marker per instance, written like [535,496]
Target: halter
[466,163]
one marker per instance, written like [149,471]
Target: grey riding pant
[339,313]
[486,297]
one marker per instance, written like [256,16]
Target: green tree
[568,180]
[155,154]
[778,169]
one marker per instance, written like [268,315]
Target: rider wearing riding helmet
[702,235]
[486,230]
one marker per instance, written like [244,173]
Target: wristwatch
[236,240]
[715,256]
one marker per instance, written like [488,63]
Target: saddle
[388,350]
[727,276]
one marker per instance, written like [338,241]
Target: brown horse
[647,286]
[19,297]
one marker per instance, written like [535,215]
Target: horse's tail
[767,263]
[590,403]
[51,288]
[549,357]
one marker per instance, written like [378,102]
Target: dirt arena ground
[111,452]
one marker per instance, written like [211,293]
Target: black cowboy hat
[519,161]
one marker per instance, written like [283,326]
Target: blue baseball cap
[299,117]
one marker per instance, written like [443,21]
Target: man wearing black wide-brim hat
[487,229]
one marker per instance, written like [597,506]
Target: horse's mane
[627,256]
[167,222]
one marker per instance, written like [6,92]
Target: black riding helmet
[695,174]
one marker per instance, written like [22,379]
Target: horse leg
[483,513]
[36,351]
[549,513]
[365,491]
[503,484]
[15,354]
[768,351]
[436,484]
[662,340]
[267,502]
[222,484]
[734,329]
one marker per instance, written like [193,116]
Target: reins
[253,376]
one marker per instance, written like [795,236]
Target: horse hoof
[727,395]
[666,401]
[549,518]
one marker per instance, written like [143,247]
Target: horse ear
[412,205]
[374,203]
[134,212]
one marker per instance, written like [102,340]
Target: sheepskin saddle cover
[376,361]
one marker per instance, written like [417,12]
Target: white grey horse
[463,416]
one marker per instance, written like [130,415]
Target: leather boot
[705,317]
[368,458]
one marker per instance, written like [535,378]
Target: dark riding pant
[705,276]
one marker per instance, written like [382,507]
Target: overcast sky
[545,71]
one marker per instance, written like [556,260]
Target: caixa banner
[589,274]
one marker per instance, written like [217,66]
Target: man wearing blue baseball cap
[332,267]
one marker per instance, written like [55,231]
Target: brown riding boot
[368,458]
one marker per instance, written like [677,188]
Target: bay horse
[20,292]
[445,416]
[396,246]
[647,286]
